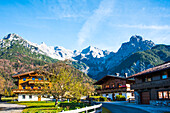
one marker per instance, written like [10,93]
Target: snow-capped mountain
[97,61]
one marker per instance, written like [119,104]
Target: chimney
[126,75]
[117,74]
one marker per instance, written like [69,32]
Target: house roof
[107,77]
[22,74]
[157,68]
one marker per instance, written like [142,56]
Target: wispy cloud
[140,26]
[60,9]
[104,10]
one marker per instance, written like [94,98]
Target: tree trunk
[0,97]
[56,101]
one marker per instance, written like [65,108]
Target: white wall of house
[104,95]
[34,97]
[110,95]
[129,95]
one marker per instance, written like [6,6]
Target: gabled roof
[23,74]
[157,68]
[107,77]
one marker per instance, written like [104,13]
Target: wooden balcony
[113,90]
[38,82]
[30,91]
[152,84]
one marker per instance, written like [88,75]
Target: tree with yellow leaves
[63,83]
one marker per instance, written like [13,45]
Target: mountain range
[132,57]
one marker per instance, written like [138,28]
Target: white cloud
[140,26]
[104,10]
[59,9]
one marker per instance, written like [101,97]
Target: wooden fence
[92,109]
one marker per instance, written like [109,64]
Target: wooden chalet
[29,88]
[152,86]
[113,85]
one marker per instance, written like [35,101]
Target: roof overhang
[107,77]
[23,74]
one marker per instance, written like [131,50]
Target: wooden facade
[152,86]
[115,85]
[29,83]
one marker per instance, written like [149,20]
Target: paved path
[11,108]
[122,109]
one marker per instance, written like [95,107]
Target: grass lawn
[48,107]
[6,99]
[38,106]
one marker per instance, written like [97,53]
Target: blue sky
[76,24]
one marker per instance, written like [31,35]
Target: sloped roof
[107,77]
[160,67]
[22,74]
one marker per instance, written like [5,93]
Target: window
[23,87]
[113,85]
[39,87]
[23,96]
[132,94]
[32,87]
[149,79]
[39,78]
[24,79]
[30,96]
[160,95]
[107,86]
[164,94]
[119,85]
[164,76]
[33,78]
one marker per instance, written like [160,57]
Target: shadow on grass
[11,108]
[40,106]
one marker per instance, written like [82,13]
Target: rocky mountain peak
[136,43]
[136,39]
[12,36]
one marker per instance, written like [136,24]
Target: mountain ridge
[91,60]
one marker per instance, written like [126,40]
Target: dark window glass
[164,76]
[23,96]
[39,78]
[32,87]
[24,79]
[30,96]
[39,87]
[23,87]
[132,94]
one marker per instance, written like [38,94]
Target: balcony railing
[38,82]
[113,89]
[151,84]
[26,91]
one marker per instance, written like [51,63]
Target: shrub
[98,98]
[120,98]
